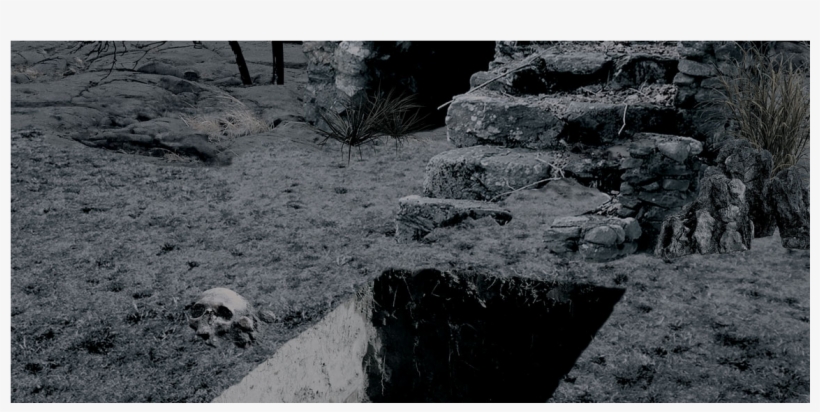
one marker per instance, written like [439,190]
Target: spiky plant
[766,98]
[402,117]
[365,119]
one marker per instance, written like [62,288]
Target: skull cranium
[221,312]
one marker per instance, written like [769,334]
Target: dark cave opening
[477,338]
[434,71]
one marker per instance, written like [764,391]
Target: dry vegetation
[767,100]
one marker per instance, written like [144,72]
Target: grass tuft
[767,99]
[237,120]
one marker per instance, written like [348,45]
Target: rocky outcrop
[418,215]
[738,159]
[592,237]
[789,202]
[717,221]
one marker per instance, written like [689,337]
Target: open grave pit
[432,336]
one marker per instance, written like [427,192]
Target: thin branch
[524,187]
[526,63]
[624,125]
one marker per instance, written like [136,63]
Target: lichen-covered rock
[789,202]
[738,159]
[483,172]
[476,119]
[418,215]
[592,237]
[717,221]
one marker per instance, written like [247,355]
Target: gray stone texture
[483,172]
[789,202]
[418,215]
[479,119]
[738,159]
[717,221]
[658,178]
[592,237]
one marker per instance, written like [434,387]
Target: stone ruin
[633,119]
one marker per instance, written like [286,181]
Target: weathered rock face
[739,160]
[480,119]
[659,177]
[717,221]
[418,215]
[593,238]
[335,69]
[789,202]
[482,172]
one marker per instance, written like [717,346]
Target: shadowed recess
[476,338]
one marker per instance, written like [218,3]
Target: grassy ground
[108,249]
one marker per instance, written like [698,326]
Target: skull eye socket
[198,310]
[224,313]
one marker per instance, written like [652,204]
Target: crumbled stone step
[475,119]
[592,237]
[551,71]
[539,123]
[484,172]
[418,215]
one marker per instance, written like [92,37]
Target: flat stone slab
[480,119]
[418,215]
[592,237]
[541,122]
[484,172]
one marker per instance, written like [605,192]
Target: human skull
[223,312]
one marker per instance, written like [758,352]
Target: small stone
[675,184]
[675,150]
[683,80]
[20,78]
[696,69]
[632,230]
[711,83]
[652,187]
[604,235]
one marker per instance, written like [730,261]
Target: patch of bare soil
[109,249]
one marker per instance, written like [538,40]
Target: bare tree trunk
[278,62]
[240,61]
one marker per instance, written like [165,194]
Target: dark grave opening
[435,71]
[476,338]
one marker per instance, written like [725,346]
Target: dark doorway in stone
[434,71]
[476,338]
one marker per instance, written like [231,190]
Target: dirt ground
[108,249]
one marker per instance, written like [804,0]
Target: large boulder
[789,202]
[483,172]
[418,215]
[592,237]
[717,221]
[738,159]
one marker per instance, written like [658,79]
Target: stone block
[418,215]
[483,172]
